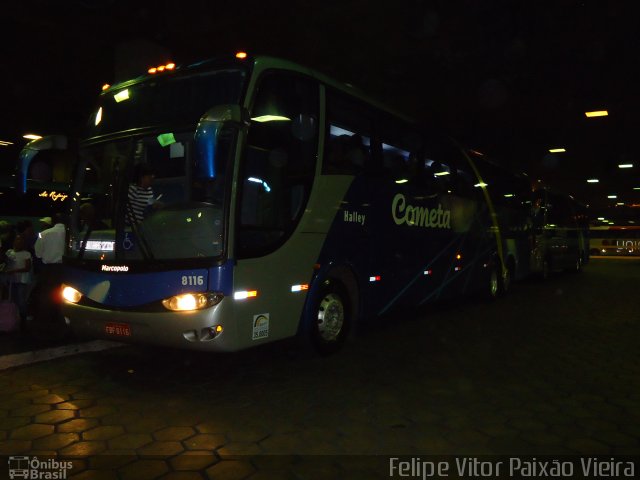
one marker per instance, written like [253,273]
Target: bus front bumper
[195,330]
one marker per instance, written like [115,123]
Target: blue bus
[283,204]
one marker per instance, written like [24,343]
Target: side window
[348,142]
[440,172]
[279,162]
[401,150]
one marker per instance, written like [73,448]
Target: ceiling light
[597,113]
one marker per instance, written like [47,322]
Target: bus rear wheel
[331,319]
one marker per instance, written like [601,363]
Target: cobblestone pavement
[553,368]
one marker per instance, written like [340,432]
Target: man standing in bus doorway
[44,319]
[140,196]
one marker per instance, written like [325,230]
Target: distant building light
[597,113]
[557,150]
[593,180]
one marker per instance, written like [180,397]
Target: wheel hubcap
[493,283]
[330,317]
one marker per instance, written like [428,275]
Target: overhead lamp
[612,196]
[557,150]
[593,180]
[597,113]
[32,136]
[625,165]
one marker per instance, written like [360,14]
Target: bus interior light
[244,294]
[122,95]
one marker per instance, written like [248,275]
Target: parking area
[552,369]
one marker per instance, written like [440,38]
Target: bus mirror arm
[235,114]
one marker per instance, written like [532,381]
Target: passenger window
[348,141]
[279,162]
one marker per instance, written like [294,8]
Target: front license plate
[118,329]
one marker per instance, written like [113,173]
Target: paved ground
[551,369]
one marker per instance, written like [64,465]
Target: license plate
[118,329]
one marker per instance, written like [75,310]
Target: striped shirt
[139,199]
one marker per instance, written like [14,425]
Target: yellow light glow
[458,256]
[241,55]
[593,180]
[122,95]
[32,136]
[597,113]
[4,143]
[402,180]
[161,68]
[557,150]
[70,294]
[191,301]
[271,118]
[625,165]
[105,86]
[441,174]
[171,66]
[152,70]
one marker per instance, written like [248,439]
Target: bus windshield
[171,100]
[146,188]
[143,198]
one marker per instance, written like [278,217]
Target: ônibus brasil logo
[33,468]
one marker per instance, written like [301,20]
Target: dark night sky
[511,78]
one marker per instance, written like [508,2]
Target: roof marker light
[105,86]
[241,55]
[458,256]
[170,66]
[152,70]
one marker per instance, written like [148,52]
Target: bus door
[276,172]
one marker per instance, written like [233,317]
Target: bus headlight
[192,301]
[70,294]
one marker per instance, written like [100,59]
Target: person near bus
[140,195]
[19,270]
[45,319]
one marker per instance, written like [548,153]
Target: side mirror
[30,150]
[226,113]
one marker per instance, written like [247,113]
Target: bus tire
[331,318]
[577,266]
[506,279]
[492,288]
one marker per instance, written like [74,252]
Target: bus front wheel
[331,318]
